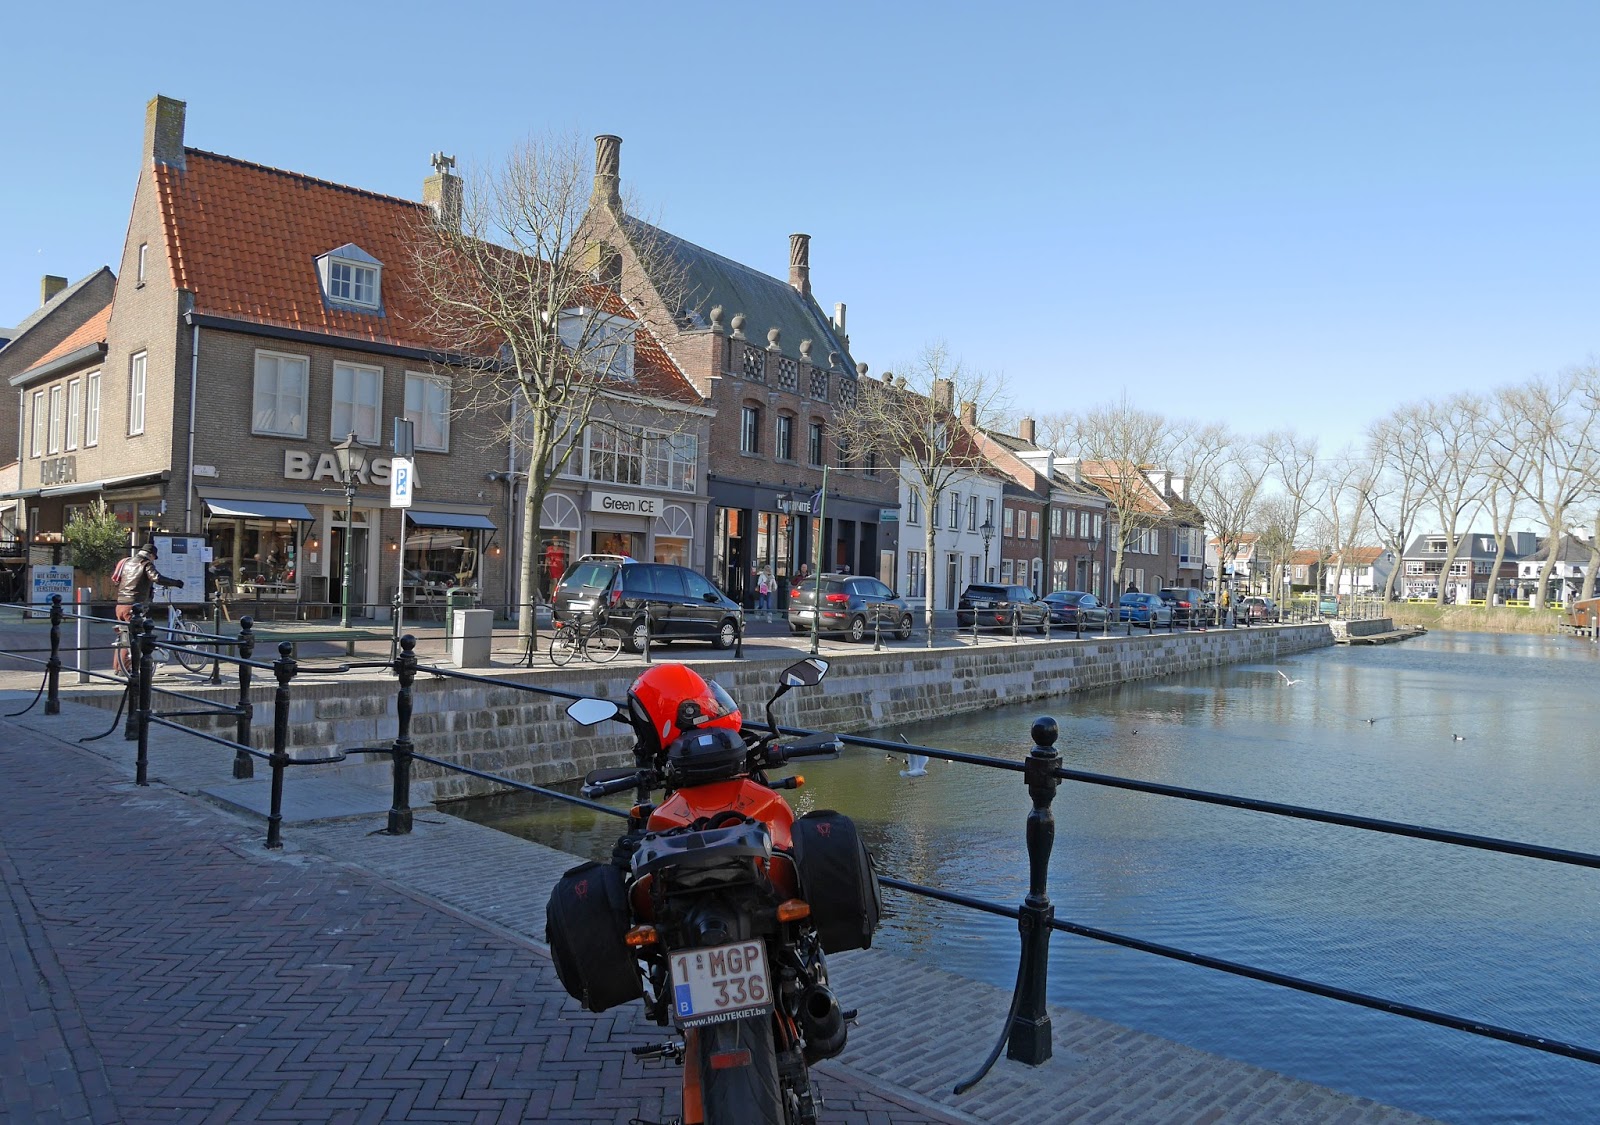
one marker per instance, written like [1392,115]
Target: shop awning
[454,520]
[259,510]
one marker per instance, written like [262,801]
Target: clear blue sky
[1270,214]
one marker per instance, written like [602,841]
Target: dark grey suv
[852,604]
[994,607]
[679,604]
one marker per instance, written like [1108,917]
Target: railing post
[81,631]
[1016,617]
[405,667]
[1030,1025]
[877,622]
[147,668]
[738,638]
[284,669]
[243,764]
[647,632]
[216,646]
[52,667]
[132,631]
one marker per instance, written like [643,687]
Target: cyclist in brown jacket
[135,584]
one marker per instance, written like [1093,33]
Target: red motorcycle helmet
[672,700]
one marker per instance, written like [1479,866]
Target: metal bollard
[405,667]
[738,639]
[647,631]
[147,668]
[1016,617]
[216,647]
[877,624]
[131,634]
[243,764]
[81,608]
[1078,620]
[52,667]
[284,669]
[974,627]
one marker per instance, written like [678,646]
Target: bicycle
[183,642]
[599,643]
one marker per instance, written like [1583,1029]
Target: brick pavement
[162,966]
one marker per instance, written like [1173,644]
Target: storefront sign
[298,464]
[621,503]
[47,580]
[888,515]
[58,470]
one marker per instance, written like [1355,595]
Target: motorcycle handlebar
[816,746]
[606,788]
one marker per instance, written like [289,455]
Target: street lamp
[352,461]
[986,529]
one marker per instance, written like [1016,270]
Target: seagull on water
[1286,678]
[1459,737]
[1369,722]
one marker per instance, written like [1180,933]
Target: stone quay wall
[528,737]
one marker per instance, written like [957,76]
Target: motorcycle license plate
[725,982]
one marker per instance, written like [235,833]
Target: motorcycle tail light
[641,936]
[793,910]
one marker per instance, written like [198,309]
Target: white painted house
[968,502]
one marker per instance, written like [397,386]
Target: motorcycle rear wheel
[740,1095]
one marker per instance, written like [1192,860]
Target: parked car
[994,607]
[1256,608]
[680,604]
[1328,605]
[1068,607]
[851,604]
[1188,605]
[1144,609]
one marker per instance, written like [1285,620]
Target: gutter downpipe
[194,386]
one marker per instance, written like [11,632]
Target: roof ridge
[318,180]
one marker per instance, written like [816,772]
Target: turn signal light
[799,781]
[793,910]
[641,936]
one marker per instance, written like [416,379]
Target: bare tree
[1224,473]
[1341,505]
[1116,444]
[1398,450]
[540,327]
[1556,418]
[1454,432]
[1505,461]
[1294,464]
[1276,524]
[910,421]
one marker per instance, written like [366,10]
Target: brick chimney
[163,132]
[800,263]
[969,414]
[1027,431]
[442,191]
[49,286]
[944,395]
[607,171]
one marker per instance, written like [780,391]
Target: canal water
[1482,734]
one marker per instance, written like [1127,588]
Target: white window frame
[279,359]
[144,257]
[955,511]
[914,507]
[74,412]
[347,280]
[425,415]
[138,386]
[91,409]
[41,425]
[591,334]
[58,412]
[341,426]
[972,515]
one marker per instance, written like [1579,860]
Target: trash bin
[456,597]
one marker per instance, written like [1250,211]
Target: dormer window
[601,343]
[351,278]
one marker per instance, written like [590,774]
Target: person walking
[764,589]
[136,580]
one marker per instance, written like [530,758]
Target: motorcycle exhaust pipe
[822,1024]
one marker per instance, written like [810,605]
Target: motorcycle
[718,906]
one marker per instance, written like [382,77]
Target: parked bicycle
[599,643]
[180,633]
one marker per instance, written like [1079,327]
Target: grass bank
[1476,618]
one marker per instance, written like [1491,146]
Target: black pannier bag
[837,880]
[586,923]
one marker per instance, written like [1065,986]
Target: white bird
[1459,737]
[918,766]
[1286,679]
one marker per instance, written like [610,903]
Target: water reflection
[1503,939]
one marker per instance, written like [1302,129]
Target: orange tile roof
[1361,556]
[1306,556]
[244,239]
[91,331]
[1104,475]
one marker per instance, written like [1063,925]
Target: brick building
[261,316]
[775,368]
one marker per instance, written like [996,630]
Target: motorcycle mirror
[807,673]
[588,712]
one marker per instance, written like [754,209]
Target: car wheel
[636,636]
[903,631]
[858,628]
[727,634]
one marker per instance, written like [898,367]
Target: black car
[681,604]
[1188,605]
[994,607]
[851,604]
[1068,607]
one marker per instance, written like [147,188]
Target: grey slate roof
[709,280]
[54,303]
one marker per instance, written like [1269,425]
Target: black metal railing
[1026,1034]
